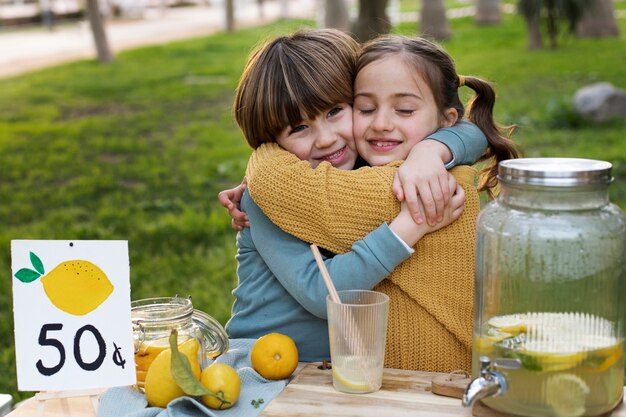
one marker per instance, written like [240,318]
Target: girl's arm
[466,142]
[369,262]
[326,206]
[423,174]
[318,205]
[291,261]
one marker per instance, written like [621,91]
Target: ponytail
[480,112]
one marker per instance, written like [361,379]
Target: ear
[450,116]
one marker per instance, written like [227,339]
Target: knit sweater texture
[432,292]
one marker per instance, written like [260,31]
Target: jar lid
[555,172]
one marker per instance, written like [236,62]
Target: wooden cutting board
[404,393]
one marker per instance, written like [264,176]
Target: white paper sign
[71,305]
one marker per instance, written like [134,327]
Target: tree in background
[434,23]
[488,12]
[99,34]
[554,13]
[230,15]
[599,20]
[372,20]
[336,15]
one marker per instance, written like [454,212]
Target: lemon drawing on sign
[77,286]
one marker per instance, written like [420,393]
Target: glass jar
[550,288]
[153,320]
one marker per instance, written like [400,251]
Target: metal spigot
[490,383]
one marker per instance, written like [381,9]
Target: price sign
[71,305]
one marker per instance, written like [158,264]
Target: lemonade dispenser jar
[153,321]
[550,291]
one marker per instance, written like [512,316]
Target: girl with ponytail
[436,68]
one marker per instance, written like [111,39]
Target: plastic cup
[357,328]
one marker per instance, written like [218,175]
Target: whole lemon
[223,381]
[160,386]
[274,356]
[77,287]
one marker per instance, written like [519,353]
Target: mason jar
[153,321]
[550,288]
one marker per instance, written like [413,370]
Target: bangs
[303,91]
[294,78]
[309,91]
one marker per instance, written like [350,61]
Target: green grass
[138,149]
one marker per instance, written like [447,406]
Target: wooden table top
[310,393]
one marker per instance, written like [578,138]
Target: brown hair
[294,76]
[438,70]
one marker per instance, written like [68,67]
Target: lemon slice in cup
[349,383]
[565,394]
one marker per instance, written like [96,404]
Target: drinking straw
[329,282]
[352,328]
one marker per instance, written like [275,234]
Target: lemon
[77,287]
[147,352]
[160,386]
[349,383]
[565,394]
[602,359]
[513,324]
[223,381]
[274,356]
[553,356]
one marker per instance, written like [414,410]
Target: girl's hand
[410,232]
[453,210]
[230,200]
[423,176]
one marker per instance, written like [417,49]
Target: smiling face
[394,109]
[327,137]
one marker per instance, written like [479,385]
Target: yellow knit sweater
[432,292]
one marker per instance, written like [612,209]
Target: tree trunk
[372,20]
[99,34]
[531,10]
[552,22]
[261,10]
[434,23]
[598,21]
[336,15]
[488,12]
[230,15]
[47,15]
[534,33]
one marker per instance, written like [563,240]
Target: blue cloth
[130,402]
[281,288]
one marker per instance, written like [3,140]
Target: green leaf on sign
[27,275]
[37,264]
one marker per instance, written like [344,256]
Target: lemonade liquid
[583,379]
[357,374]
[145,355]
[148,350]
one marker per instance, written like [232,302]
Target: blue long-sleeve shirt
[281,289]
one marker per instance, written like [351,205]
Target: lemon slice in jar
[513,324]
[565,394]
